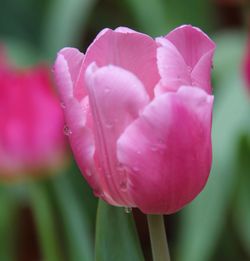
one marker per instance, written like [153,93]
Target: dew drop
[127,210]
[107,90]
[67,130]
[138,152]
[85,108]
[109,125]
[135,169]
[154,149]
[63,106]
[123,185]
[98,193]
[107,175]
[88,172]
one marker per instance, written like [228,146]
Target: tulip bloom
[31,121]
[138,112]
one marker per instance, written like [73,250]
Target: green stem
[158,238]
[7,225]
[43,215]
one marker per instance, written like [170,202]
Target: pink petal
[116,98]
[129,50]
[167,151]
[184,57]
[201,74]
[172,68]
[77,113]
[66,69]
[191,42]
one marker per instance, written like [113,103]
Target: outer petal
[201,74]
[167,151]
[116,98]
[184,57]
[129,50]
[191,42]
[77,113]
[172,68]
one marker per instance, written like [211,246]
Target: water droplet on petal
[109,125]
[127,210]
[154,149]
[107,90]
[67,130]
[107,175]
[160,140]
[138,152]
[189,68]
[123,185]
[98,193]
[135,169]
[63,106]
[85,108]
[88,172]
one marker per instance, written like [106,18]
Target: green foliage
[76,225]
[157,17]
[65,24]
[45,221]
[7,230]
[116,237]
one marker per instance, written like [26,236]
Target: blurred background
[47,211]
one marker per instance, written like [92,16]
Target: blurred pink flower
[138,112]
[31,121]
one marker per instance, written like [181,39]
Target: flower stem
[158,238]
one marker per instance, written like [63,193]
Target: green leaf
[65,24]
[241,210]
[116,237]
[7,225]
[241,215]
[76,224]
[203,220]
[20,53]
[45,223]
[157,17]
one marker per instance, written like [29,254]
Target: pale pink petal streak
[116,99]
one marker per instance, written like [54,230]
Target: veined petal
[77,112]
[201,74]
[191,42]
[167,151]
[66,68]
[172,68]
[184,57]
[116,98]
[130,50]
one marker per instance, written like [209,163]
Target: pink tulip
[138,112]
[31,121]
